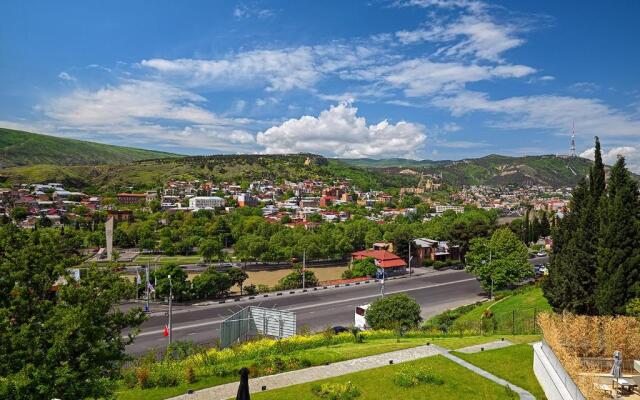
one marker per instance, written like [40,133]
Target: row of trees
[595,267]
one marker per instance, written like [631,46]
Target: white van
[359,320]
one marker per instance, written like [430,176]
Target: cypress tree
[618,272]
[535,230]
[545,227]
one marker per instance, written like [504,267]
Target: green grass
[526,303]
[377,383]
[144,259]
[322,355]
[514,364]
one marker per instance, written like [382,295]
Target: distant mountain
[493,169]
[26,148]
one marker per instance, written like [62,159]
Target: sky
[420,79]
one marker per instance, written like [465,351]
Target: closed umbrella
[616,370]
[243,389]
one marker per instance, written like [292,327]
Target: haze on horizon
[424,79]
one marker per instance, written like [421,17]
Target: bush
[336,391]
[294,280]
[443,322]
[360,268]
[189,375]
[633,308]
[250,289]
[274,364]
[394,312]
[439,265]
[262,288]
[428,262]
[142,377]
[409,377]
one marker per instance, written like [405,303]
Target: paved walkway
[498,344]
[285,379]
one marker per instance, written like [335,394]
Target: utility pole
[382,284]
[304,267]
[409,258]
[170,309]
[147,294]
[490,293]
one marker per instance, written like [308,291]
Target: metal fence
[571,387]
[516,322]
[257,321]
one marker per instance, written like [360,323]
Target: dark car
[339,329]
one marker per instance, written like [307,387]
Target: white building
[442,208]
[206,202]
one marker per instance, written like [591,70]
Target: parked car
[339,329]
[541,253]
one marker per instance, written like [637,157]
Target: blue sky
[430,79]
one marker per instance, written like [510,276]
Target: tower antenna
[573,140]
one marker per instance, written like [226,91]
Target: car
[541,254]
[339,329]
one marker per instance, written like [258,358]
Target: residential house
[387,262]
[434,250]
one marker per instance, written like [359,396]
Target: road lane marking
[327,303]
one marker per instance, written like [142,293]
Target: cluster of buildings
[514,200]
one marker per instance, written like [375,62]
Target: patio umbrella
[243,389]
[616,370]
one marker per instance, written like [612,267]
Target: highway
[435,292]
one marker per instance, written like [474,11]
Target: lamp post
[382,283]
[409,257]
[304,267]
[170,308]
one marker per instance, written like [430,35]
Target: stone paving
[498,344]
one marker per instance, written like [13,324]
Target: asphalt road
[435,292]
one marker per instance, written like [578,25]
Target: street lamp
[170,308]
[491,273]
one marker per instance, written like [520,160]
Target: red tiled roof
[385,259]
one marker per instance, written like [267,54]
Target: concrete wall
[554,379]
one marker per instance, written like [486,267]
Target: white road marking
[214,322]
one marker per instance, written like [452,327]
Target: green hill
[551,170]
[26,148]
[150,174]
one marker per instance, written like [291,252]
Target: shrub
[250,289]
[263,288]
[633,308]
[443,322]
[394,312]
[273,364]
[142,377]
[189,375]
[439,265]
[336,391]
[129,378]
[409,377]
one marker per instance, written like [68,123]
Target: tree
[294,279]
[178,281]
[545,226]
[394,312]
[364,267]
[618,273]
[501,259]
[210,249]
[211,284]
[66,343]
[19,213]
[237,277]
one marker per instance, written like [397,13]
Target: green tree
[392,312]
[211,284]
[294,279]
[178,281]
[19,213]
[618,273]
[545,226]
[237,277]
[210,249]
[66,343]
[364,267]
[503,259]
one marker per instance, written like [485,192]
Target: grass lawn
[514,364]
[526,304]
[377,383]
[322,355]
[144,259]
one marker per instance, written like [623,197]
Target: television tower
[573,140]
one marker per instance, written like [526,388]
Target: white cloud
[609,157]
[474,35]
[340,132]
[129,101]
[422,77]
[592,116]
[66,77]
[244,11]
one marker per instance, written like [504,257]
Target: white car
[359,320]
[541,254]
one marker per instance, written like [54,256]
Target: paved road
[435,292]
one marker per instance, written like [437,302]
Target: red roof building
[383,258]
